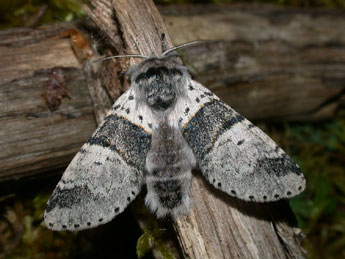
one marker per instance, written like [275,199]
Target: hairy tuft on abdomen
[168,165]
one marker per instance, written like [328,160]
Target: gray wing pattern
[237,157]
[104,176]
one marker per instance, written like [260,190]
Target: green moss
[15,13]
[153,238]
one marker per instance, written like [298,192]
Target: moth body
[169,160]
[155,134]
[168,165]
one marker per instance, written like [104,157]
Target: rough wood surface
[217,226]
[276,63]
[220,226]
[33,138]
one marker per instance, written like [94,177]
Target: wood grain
[34,138]
[267,62]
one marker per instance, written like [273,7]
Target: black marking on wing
[211,121]
[100,141]
[127,139]
[279,166]
[240,142]
[67,198]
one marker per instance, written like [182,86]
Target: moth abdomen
[169,192]
[168,172]
[169,195]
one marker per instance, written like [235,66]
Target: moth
[161,128]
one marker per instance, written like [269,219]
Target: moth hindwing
[165,125]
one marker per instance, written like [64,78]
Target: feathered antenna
[182,46]
[164,53]
[121,56]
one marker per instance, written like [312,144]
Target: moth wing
[105,175]
[234,155]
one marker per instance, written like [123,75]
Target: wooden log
[35,138]
[268,62]
[217,225]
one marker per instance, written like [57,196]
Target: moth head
[157,78]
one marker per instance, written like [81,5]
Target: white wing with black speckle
[106,174]
[234,155]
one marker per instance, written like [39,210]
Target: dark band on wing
[203,130]
[129,140]
[67,198]
[279,166]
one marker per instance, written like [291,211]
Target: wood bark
[274,63]
[35,139]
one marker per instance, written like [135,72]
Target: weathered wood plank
[35,139]
[268,62]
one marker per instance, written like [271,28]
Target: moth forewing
[236,156]
[104,176]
